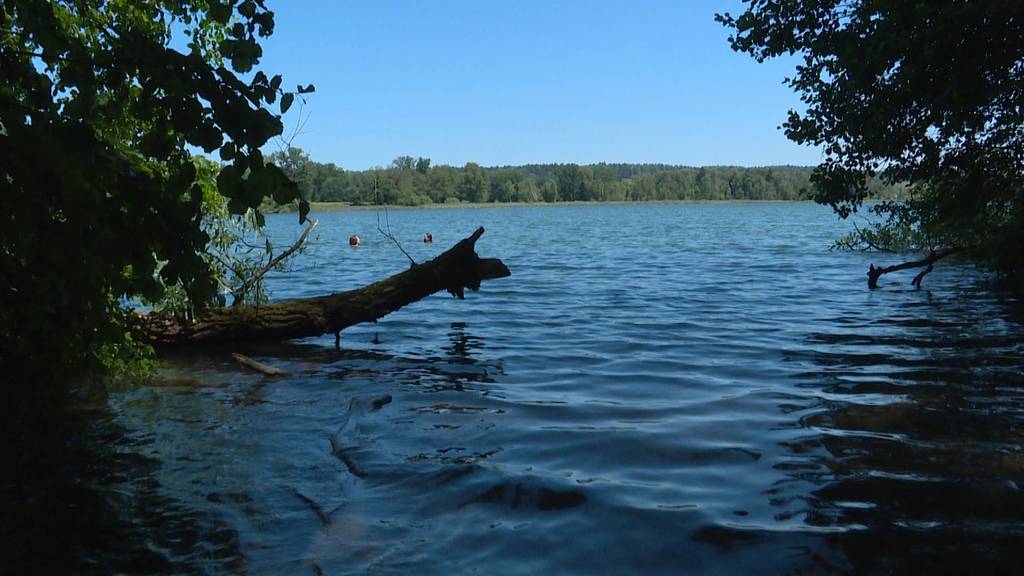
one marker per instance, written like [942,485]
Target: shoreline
[344,207]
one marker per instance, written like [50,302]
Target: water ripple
[707,389]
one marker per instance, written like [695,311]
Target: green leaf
[309,88]
[219,11]
[169,273]
[206,135]
[98,136]
[227,151]
[286,102]
[229,182]
[247,8]
[236,206]
[196,195]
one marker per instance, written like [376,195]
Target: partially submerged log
[258,366]
[455,270]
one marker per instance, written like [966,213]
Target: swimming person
[427,237]
[353,240]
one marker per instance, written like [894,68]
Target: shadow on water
[197,472]
[906,451]
[77,497]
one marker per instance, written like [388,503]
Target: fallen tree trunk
[455,270]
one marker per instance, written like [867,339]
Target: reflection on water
[722,396]
[913,445]
[88,502]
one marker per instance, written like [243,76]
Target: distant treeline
[414,181]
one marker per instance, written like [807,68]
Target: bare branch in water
[927,262]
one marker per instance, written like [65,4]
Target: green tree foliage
[930,94]
[98,194]
[475,185]
[570,183]
[409,181]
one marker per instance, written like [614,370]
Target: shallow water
[665,389]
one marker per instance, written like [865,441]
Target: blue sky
[520,82]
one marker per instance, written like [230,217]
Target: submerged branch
[258,366]
[926,262]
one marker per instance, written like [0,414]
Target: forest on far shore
[412,181]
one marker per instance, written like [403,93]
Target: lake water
[656,388]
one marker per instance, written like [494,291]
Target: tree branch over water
[873,76]
[927,262]
[240,292]
[455,270]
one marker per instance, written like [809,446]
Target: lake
[700,388]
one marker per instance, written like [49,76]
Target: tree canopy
[414,181]
[926,93]
[101,108]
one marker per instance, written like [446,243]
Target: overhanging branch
[239,293]
[926,262]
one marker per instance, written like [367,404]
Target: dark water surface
[662,389]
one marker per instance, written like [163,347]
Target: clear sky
[515,82]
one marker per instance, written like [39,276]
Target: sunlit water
[664,389]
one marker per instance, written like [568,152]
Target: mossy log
[455,270]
